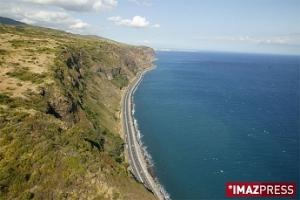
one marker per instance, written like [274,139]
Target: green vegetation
[21,43]
[120,80]
[61,139]
[26,75]
[4,99]
[3,52]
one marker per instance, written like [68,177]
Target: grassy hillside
[60,115]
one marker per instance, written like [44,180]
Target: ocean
[210,118]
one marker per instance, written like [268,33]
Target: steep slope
[60,115]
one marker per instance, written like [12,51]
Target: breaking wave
[148,158]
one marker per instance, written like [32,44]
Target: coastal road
[137,160]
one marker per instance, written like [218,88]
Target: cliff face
[60,115]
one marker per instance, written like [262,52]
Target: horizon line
[223,51]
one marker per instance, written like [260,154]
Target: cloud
[79,25]
[36,15]
[156,26]
[78,5]
[146,42]
[135,22]
[141,2]
[287,39]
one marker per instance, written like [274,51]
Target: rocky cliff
[60,100]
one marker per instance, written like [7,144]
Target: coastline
[136,153]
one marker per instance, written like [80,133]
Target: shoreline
[136,152]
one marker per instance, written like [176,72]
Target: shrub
[26,75]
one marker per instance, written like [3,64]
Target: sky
[258,26]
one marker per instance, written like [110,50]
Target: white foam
[133,109]
[149,161]
[148,158]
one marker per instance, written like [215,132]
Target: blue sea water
[211,118]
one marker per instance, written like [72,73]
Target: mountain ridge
[60,127]
[8,21]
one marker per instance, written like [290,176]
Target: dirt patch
[19,52]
